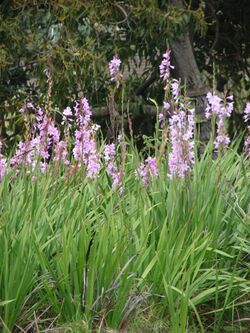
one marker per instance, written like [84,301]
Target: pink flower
[221,111]
[247,112]
[142,173]
[95,128]
[213,106]
[49,135]
[229,106]
[53,131]
[39,115]
[114,69]
[60,151]
[85,146]
[247,143]
[40,145]
[24,153]
[3,163]
[221,140]
[67,112]
[112,170]
[30,106]
[247,139]
[166,106]
[165,66]
[109,152]
[93,165]
[151,165]
[43,167]
[147,171]
[175,89]
[181,157]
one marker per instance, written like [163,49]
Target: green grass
[76,256]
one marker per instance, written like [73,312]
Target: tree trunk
[187,70]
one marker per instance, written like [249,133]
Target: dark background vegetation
[74,40]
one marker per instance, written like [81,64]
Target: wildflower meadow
[97,235]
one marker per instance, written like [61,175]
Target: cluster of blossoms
[147,171]
[165,114]
[3,163]
[43,143]
[165,67]
[67,114]
[175,87]
[24,153]
[222,111]
[181,157]
[85,151]
[181,123]
[44,134]
[49,135]
[28,106]
[61,152]
[109,158]
[114,70]
[247,119]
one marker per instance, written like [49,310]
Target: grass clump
[75,250]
